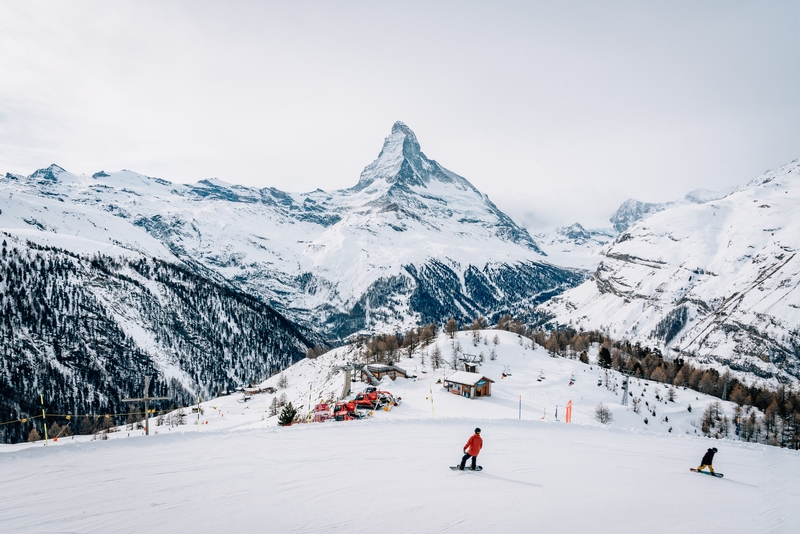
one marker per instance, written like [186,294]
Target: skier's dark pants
[464,461]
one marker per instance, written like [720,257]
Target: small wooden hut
[470,385]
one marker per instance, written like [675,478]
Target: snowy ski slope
[389,473]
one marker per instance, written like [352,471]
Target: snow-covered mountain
[716,280]
[411,242]
[631,211]
[584,248]
[576,246]
[83,330]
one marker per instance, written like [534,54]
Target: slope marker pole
[310,393]
[44,423]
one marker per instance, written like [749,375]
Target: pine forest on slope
[83,331]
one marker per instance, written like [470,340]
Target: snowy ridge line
[730,264]
[416,241]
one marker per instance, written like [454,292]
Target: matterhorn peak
[399,128]
[401,162]
[400,145]
[401,173]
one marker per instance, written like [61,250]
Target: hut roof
[468,379]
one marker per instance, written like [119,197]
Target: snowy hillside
[584,248]
[410,243]
[542,381]
[717,281]
[632,211]
[81,330]
[390,472]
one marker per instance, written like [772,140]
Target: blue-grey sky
[558,111]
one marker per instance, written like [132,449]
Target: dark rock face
[576,233]
[50,174]
[493,291]
[631,211]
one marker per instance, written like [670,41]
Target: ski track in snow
[392,476]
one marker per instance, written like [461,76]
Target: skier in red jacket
[472,448]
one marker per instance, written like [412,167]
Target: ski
[718,475]
[455,468]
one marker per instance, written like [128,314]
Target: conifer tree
[604,358]
[287,415]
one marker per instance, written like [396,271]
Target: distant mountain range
[209,286]
[710,276]
[715,280]
[583,248]
[631,211]
[411,242]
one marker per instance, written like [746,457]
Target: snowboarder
[707,460]
[472,448]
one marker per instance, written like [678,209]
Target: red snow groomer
[383,397]
[372,398]
[345,411]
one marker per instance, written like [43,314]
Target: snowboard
[718,475]
[455,468]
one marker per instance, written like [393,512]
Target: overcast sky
[559,111]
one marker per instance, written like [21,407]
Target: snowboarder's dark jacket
[708,459]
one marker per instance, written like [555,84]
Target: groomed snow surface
[390,473]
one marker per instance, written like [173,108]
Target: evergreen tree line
[83,331]
[765,416]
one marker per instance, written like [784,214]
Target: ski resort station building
[470,385]
[373,373]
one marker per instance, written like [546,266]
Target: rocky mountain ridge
[715,281]
[411,242]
